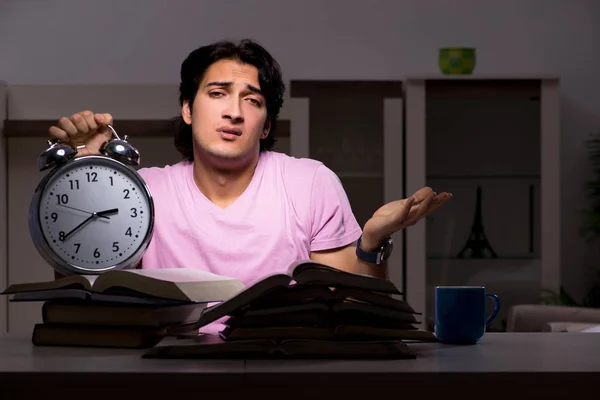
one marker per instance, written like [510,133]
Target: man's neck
[220,185]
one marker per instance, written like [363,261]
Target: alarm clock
[93,213]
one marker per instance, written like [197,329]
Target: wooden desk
[503,365]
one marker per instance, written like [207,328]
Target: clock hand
[88,219]
[94,215]
[102,214]
[87,212]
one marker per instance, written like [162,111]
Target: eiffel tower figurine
[477,243]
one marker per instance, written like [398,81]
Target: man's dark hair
[246,51]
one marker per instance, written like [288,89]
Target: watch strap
[373,257]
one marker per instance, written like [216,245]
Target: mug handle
[496,308]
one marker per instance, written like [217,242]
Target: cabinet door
[3,209]
[355,129]
[484,140]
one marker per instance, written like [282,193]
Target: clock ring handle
[120,149]
[115,132]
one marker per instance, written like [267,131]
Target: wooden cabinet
[3,209]
[355,128]
[385,140]
[500,135]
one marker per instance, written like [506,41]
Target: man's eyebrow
[226,84]
[254,89]
[216,83]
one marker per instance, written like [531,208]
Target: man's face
[229,113]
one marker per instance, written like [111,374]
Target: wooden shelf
[490,176]
[497,259]
[316,88]
[130,127]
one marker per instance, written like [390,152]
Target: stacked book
[313,311]
[122,309]
[95,324]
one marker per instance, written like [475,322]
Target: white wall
[135,41]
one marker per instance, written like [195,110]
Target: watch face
[387,251]
[94,214]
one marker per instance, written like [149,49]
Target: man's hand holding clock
[97,183]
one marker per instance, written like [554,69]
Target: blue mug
[460,313]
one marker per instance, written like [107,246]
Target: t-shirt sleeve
[333,223]
[153,177]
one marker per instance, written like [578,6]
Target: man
[233,206]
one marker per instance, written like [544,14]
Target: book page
[310,272]
[175,274]
[300,265]
[243,298]
[91,279]
[84,281]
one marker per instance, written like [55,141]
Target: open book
[317,313]
[339,332]
[176,284]
[307,279]
[209,346]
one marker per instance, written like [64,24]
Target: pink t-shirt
[292,206]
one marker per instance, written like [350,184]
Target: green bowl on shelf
[456,60]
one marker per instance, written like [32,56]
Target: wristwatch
[375,257]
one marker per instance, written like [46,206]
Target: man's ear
[186,112]
[266,129]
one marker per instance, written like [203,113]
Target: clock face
[94,214]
